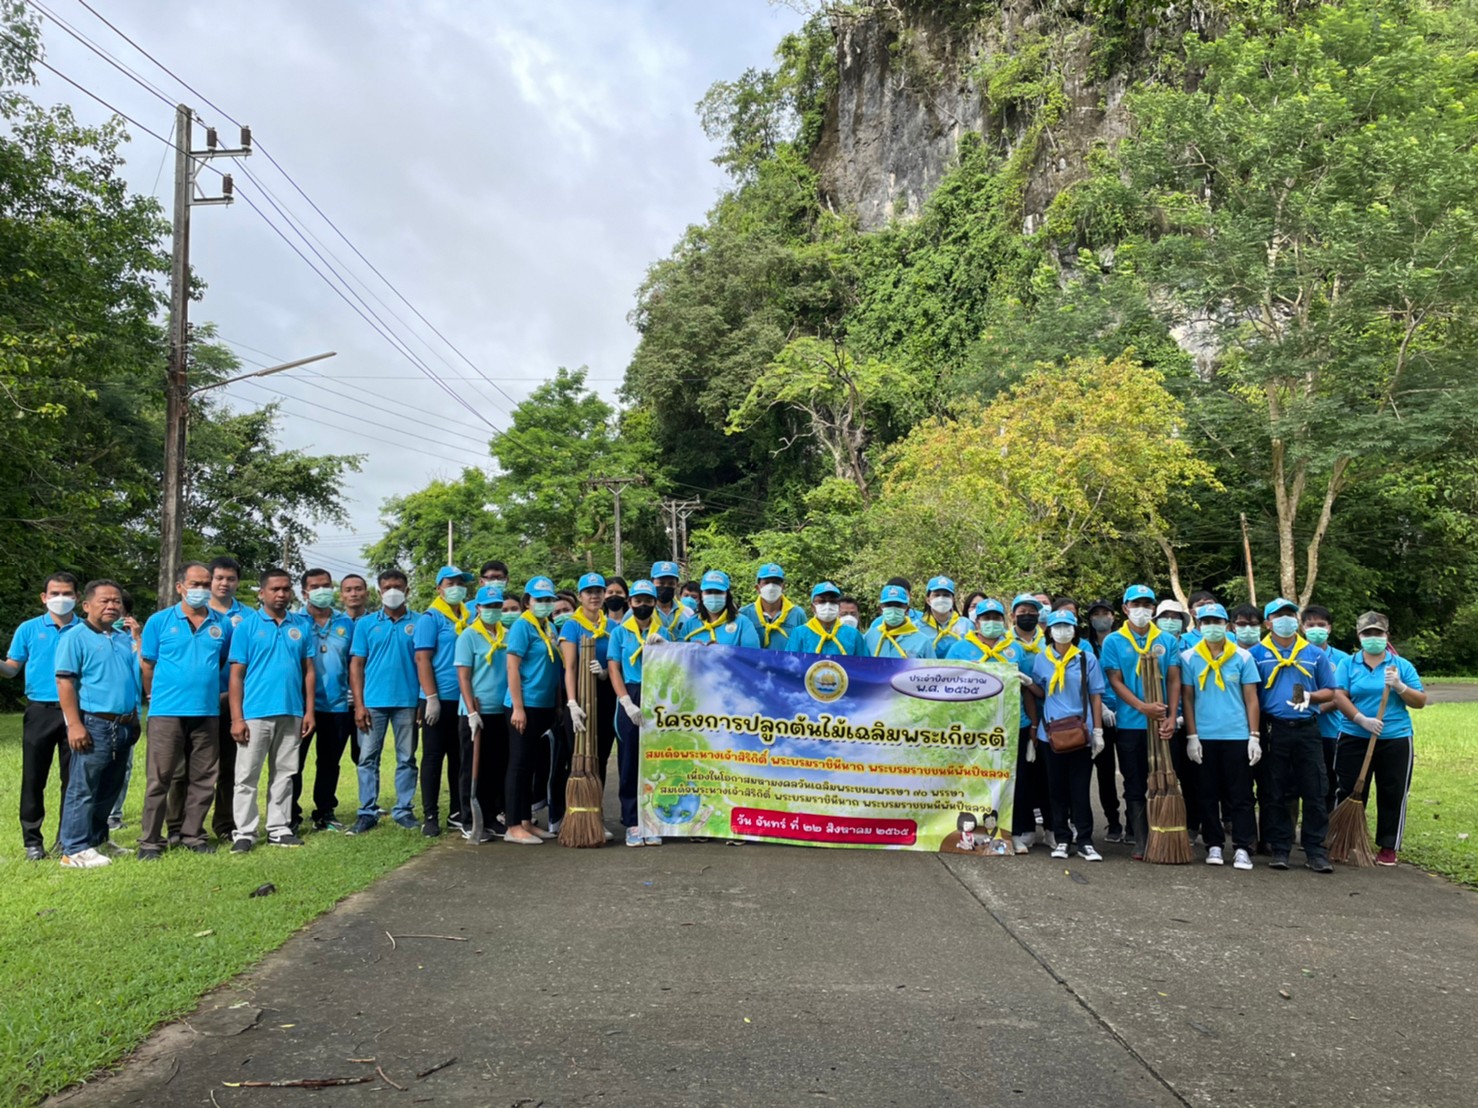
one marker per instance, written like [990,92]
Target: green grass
[93,960]
[1444,793]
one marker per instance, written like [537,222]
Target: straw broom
[582,826]
[1349,832]
[1170,843]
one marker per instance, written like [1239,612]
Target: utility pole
[677,512]
[177,390]
[617,485]
[1247,555]
[449,544]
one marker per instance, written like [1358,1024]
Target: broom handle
[587,691]
[1385,695]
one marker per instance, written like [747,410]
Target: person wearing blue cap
[1296,676]
[629,641]
[436,668]
[897,636]
[1219,694]
[331,635]
[1031,802]
[675,617]
[914,614]
[940,617]
[773,615]
[1100,617]
[824,633]
[1074,691]
[1318,623]
[1026,623]
[588,621]
[534,673]
[720,623]
[383,683]
[1125,656]
[482,682]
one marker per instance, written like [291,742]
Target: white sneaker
[1059,850]
[1213,856]
[1023,843]
[85,859]
[1089,854]
[1241,860]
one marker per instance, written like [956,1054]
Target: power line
[112,60]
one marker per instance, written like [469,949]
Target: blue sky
[513,168]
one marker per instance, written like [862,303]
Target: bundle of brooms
[1348,839]
[1170,843]
[582,826]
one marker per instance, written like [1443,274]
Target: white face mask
[942,605]
[770,593]
[197,598]
[1062,633]
[60,605]
[827,613]
[850,621]
[1140,617]
[392,598]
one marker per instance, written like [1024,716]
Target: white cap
[1169,605]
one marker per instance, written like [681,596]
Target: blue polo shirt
[489,678]
[388,647]
[574,631]
[676,623]
[187,661]
[739,633]
[792,616]
[626,640]
[1119,655]
[438,635]
[105,667]
[968,650]
[34,643]
[1365,685]
[805,639]
[1314,673]
[329,646]
[540,666]
[1331,722]
[1221,713]
[233,617]
[914,643]
[1110,698]
[1068,700]
[273,654]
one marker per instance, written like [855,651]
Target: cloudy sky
[512,166]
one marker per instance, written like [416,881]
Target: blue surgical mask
[690,603]
[1214,633]
[1373,644]
[894,617]
[1317,635]
[1169,625]
[490,617]
[543,608]
[992,628]
[1247,635]
[320,598]
[715,602]
[508,619]
[454,595]
[1285,627]
[197,598]
[561,619]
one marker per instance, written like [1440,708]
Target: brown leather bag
[1071,732]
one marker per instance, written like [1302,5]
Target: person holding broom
[532,699]
[588,621]
[1074,686]
[1376,672]
[624,659]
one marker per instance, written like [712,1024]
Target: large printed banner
[827,751]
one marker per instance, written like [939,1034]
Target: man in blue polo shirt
[436,670]
[43,730]
[774,616]
[330,634]
[824,633]
[386,690]
[183,651]
[225,579]
[97,676]
[272,696]
[1296,678]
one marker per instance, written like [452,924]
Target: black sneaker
[285,840]
[489,836]
[361,825]
[1280,861]
[431,827]
[1319,863]
[35,853]
[1115,835]
[241,846]
[201,848]
[496,829]
[115,823]
[151,855]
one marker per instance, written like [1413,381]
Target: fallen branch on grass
[439,1066]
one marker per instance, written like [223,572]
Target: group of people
[1266,722]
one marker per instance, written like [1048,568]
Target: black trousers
[1226,788]
[43,740]
[1070,781]
[1189,776]
[1390,773]
[440,742]
[1330,746]
[332,733]
[1295,774]
[492,765]
[223,821]
[1107,771]
[517,786]
[1031,786]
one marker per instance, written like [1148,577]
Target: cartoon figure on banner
[995,842]
[963,839]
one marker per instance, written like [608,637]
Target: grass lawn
[1444,793]
[93,960]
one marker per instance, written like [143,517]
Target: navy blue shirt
[1310,668]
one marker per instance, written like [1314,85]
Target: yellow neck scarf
[597,630]
[1299,643]
[943,628]
[1150,635]
[1213,665]
[539,627]
[823,635]
[766,627]
[890,635]
[1059,668]
[641,640]
[460,617]
[709,629]
[998,653]
[678,611]
[1033,647]
[494,638]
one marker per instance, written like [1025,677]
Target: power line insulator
[210,138]
[226,184]
[246,138]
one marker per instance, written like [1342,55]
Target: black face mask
[1028,622]
[642,612]
[665,593]
[615,605]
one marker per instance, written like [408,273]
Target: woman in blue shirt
[482,680]
[534,673]
[717,620]
[1074,686]
[1362,680]
[587,621]
[624,662]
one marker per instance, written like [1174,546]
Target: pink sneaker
[1386,857]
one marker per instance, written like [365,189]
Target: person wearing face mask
[331,634]
[386,689]
[824,632]
[1170,620]
[1317,624]
[971,599]
[1123,660]
[719,623]
[1100,617]
[494,573]
[673,615]
[940,617]
[481,659]
[588,621]
[534,672]
[773,615]
[895,635]
[1074,689]
[436,669]
[628,643]
[906,585]
[690,596]
[225,579]
[1191,635]
[182,652]
[1026,619]
[1363,679]
[1296,677]
[1222,718]
[617,600]
[1245,630]
[850,612]
[1032,804]
[43,730]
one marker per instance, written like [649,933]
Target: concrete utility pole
[449,544]
[617,485]
[176,390]
[677,512]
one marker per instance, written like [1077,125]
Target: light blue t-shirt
[388,647]
[627,644]
[906,641]
[739,633]
[437,635]
[1330,722]
[574,631]
[34,643]
[104,666]
[1068,700]
[1119,655]
[844,639]
[1221,713]
[677,623]
[966,650]
[187,661]
[329,644]
[540,667]
[1364,686]
[273,654]
[793,615]
[489,665]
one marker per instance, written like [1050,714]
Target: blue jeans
[117,813]
[95,780]
[403,722]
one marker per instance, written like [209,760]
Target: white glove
[1300,705]
[474,721]
[1024,678]
[577,716]
[1109,718]
[1373,726]
[1097,741]
[433,709]
[1031,750]
[596,668]
[1193,748]
[1254,749]
[633,713]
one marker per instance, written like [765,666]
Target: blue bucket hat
[986,606]
[825,588]
[940,584]
[715,580]
[644,588]
[1211,611]
[591,581]
[540,588]
[893,594]
[665,569]
[769,569]
[1277,605]
[1138,592]
[489,595]
[1060,617]
[448,573]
